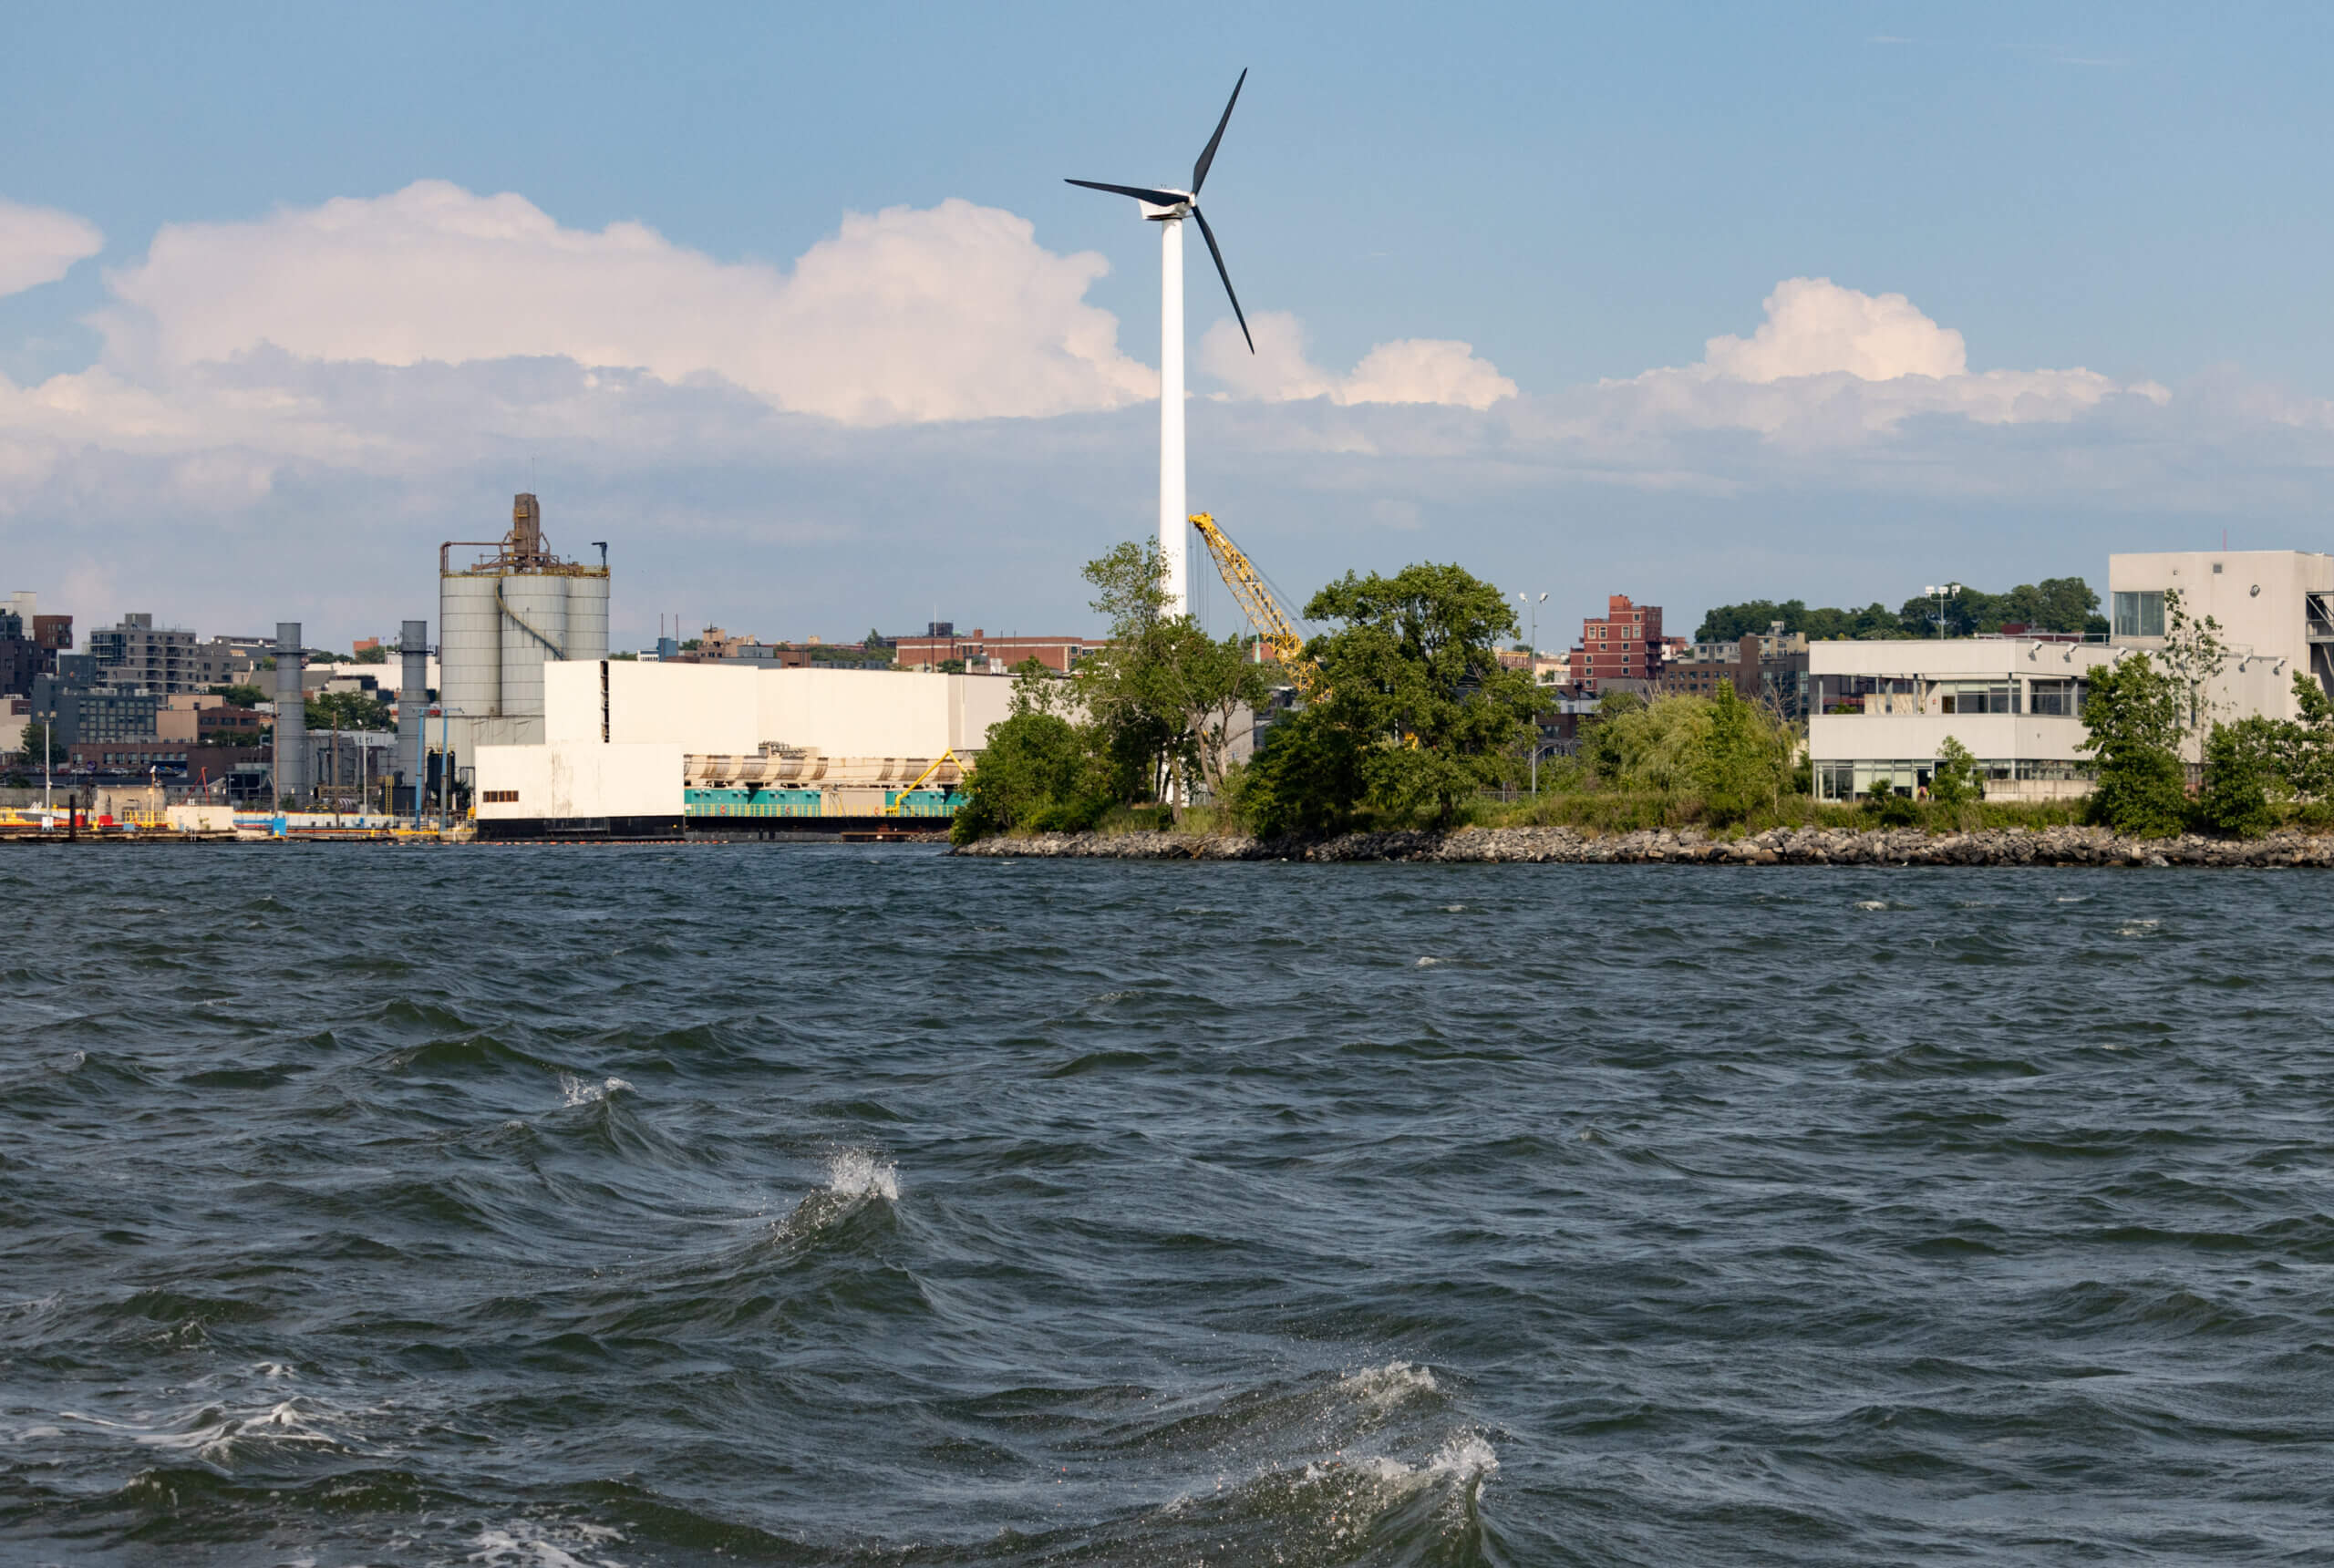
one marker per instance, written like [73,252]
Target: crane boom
[1275,625]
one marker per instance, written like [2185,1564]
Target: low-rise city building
[1882,711]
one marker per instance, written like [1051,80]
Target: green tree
[1305,779]
[1659,745]
[2240,769]
[1164,701]
[1412,674]
[1955,781]
[2192,658]
[1602,734]
[2131,716]
[2306,744]
[1035,773]
[37,742]
[1745,759]
[239,695]
[1035,689]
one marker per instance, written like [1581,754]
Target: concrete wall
[564,780]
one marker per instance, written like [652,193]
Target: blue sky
[221,415]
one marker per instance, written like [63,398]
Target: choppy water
[835,1206]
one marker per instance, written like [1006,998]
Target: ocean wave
[583,1091]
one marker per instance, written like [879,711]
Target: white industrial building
[623,739]
[1880,711]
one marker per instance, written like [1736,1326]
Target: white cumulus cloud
[1832,364]
[40,244]
[1409,370]
[949,312]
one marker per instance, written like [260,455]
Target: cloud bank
[39,245]
[1410,370]
[953,312]
[935,381]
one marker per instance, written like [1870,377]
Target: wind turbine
[1168,209]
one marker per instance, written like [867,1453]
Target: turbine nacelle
[1161,204]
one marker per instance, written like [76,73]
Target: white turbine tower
[1168,209]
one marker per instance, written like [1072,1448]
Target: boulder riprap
[1779,846]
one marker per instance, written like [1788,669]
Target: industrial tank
[534,628]
[587,616]
[502,617]
[469,645]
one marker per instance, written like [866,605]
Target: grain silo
[501,617]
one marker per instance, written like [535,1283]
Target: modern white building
[2274,610]
[1880,713]
[1882,709]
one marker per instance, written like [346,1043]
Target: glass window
[2139,614]
[2062,699]
[1976,696]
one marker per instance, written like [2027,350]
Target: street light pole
[1938,591]
[1532,605]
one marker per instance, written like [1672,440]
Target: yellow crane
[1276,623]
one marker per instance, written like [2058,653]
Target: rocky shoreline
[1781,846]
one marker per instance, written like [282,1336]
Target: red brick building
[942,643]
[1625,644]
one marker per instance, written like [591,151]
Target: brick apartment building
[1625,645]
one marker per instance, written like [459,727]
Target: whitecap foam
[581,1092]
[2137,928]
[1872,903]
[1389,1384]
[859,1174]
[525,1545]
[1428,962]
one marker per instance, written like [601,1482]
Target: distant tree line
[2053,604]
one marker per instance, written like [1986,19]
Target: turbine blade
[1199,169]
[1209,235]
[1156,198]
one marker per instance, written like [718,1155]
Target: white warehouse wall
[726,710]
[569,779]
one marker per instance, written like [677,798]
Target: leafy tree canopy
[2053,604]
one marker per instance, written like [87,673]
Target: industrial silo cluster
[502,617]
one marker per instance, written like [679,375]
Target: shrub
[1955,781]
[2240,766]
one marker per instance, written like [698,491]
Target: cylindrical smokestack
[291,714]
[413,699]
